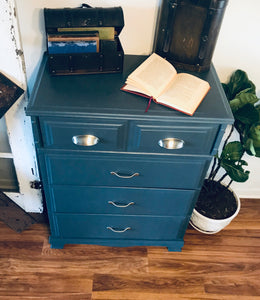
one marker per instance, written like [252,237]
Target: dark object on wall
[84,40]
[9,93]
[13,215]
[187,32]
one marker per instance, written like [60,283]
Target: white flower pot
[210,226]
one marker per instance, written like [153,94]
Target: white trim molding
[18,124]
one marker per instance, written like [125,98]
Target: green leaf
[239,81]
[230,160]
[241,99]
[249,147]
[247,114]
[240,127]
[257,107]
[254,134]
[235,170]
[226,90]
[232,151]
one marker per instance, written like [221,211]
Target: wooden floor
[221,266]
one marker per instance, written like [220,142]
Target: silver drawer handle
[85,140]
[121,205]
[124,176]
[118,230]
[171,143]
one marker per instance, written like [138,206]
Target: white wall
[237,47]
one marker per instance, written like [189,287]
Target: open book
[158,80]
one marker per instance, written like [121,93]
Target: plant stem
[213,167]
[213,172]
[228,137]
[229,183]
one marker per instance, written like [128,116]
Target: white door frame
[18,124]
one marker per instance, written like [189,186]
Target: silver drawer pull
[171,143]
[121,205]
[124,176]
[85,140]
[118,230]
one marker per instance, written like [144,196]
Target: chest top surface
[99,95]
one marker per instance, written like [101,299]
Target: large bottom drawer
[119,200]
[119,227]
[184,172]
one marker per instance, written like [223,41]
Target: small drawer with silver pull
[87,134]
[119,227]
[174,139]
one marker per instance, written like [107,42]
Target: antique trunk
[187,32]
[84,40]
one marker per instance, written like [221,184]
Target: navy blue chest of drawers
[112,174]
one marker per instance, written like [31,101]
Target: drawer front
[128,171]
[123,201]
[181,138]
[119,227]
[88,135]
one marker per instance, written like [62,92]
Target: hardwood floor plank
[239,286]
[203,268]
[20,248]
[86,267]
[147,283]
[39,283]
[219,240]
[156,296]
[37,232]
[51,296]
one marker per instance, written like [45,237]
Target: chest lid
[83,18]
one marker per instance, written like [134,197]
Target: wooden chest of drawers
[107,174]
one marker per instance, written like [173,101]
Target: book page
[135,87]
[185,93]
[154,75]
[135,90]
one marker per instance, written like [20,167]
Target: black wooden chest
[84,40]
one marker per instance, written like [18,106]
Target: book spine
[72,47]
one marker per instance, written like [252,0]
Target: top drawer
[130,136]
[177,138]
[87,134]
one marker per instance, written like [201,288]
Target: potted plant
[217,204]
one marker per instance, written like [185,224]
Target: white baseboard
[252,193]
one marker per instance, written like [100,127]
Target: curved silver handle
[118,230]
[171,143]
[124,176]
[85,140]
[121,205]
